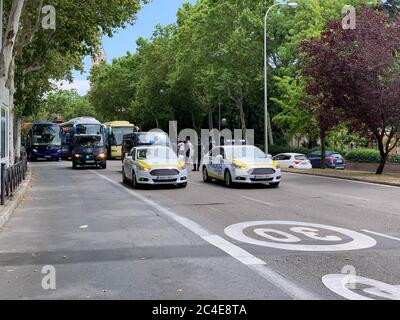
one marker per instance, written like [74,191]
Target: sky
[157,12]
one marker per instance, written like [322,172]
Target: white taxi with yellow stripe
[241,164]
[154,165]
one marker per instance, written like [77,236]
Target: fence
[12,177]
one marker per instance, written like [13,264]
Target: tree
[67,104]
[113,88]
[357,74]
[390,6]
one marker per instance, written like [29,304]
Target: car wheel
[274,184]
[134,183]
[74,165]
[104,166]
[228,179]
[206,178]
[124,179]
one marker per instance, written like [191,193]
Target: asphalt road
[107,241]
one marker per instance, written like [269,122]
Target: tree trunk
[383,153]
[7,51]
[323,150]
[242,117]
[210,119]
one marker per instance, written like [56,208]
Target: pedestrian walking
[189,151]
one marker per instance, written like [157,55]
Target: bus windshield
[88,129]
[90,142]
[43,135]
[117,134]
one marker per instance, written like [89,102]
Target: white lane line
[259,201]
[195,183]
[249,260]
[353,181]
[381,235]
[345,196]
[234,251]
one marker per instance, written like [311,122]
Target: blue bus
[43,141]
[82,125]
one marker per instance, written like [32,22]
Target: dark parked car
[333,160]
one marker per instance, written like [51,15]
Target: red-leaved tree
[357,73]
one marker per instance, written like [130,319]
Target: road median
[389,179]
[12,204]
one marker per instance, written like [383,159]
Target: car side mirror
[129,158]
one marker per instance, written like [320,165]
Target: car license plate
[164,178]
[90,161]
[260,177]
[339,161]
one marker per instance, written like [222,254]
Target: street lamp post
[292,5]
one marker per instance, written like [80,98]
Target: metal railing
[12,177]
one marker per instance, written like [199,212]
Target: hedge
[364,155]
[275,149]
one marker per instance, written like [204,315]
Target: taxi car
[236,164]
[154,165]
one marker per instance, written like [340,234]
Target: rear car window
[300,157]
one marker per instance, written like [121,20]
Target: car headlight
[34,150]
[102,155]
[240,166]
[77,155]
[142,168]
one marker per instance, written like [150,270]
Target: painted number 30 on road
[300,236]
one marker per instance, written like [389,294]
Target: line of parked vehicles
[148,158]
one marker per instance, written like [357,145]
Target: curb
[346,178]
[8,209]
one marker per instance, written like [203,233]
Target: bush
[395,158]
[364,155]
[276,149]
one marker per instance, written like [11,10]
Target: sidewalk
[11,204]
[390,179]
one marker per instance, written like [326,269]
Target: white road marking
[84,226]
[195,183]
[344,196]
[358,240]
[353,181]
[246,258]
[259,201]
[381,235]
[338,283]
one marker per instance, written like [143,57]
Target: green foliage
[65,103]
[44,56]
[277,149]
[364,155]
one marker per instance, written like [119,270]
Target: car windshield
[117,135]
[156,153]
[153,138]
[89,142]
[242,152]
[46,135]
